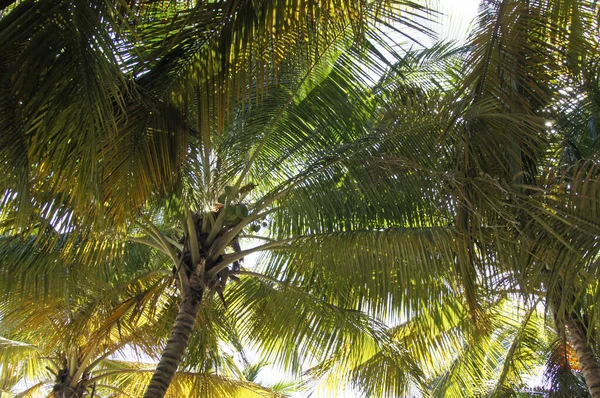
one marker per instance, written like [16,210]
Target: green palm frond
[493,364]
[145,94]
[381,270]
[19,362]
[455,198]
[293,327]
[252,371]
[132,379]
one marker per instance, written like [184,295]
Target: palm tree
[68,338]
[524,175]
[515,172]
[297,304]
[525,80]
[173,116]
[195,145]
[214,212]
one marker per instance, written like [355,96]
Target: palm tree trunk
[63,388]
[587,360]
[176,346]
[64,391]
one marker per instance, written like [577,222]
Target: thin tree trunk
[587,360]
[176,346]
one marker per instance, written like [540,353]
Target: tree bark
[176,346]
[587,360]
[64,391]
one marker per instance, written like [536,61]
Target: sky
[456,17]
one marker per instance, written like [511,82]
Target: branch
[83,365]
[149,243]
[233,257]
[158,236]
[193,242]
[256,237]
[259,275]
[226,239]
[114,372]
